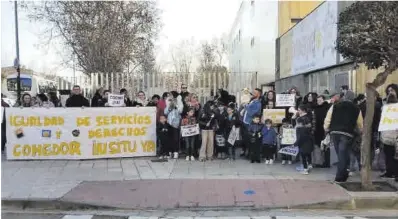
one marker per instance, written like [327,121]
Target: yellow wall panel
[363,76]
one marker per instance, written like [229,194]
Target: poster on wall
[314,39]
[76,133]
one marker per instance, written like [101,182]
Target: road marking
[78,216]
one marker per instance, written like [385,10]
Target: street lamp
[16,61]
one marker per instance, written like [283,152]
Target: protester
[208,124]
[232,123]
[189,119]
[52,96]
[269,141]
[155,99]
[77,99]
[304,138]
[320,112]
[3,125]
[141,100]
[220,132]
[26,101]
[389,141]
[285,125]
[162,105]
[164,132]
[105,98]
[341,120]
[127,100]
[42,101]
[251,109]
[269,100]
[96,101]
[254,134]
[298,98]
[173,112]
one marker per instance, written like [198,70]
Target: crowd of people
[320,121]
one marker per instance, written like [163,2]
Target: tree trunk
[366,177]
[366,161]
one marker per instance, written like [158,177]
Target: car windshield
[26,84]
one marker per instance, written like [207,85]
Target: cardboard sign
[220,141]
[76,133]
[288,136]
[116,100]
[389,118]
[290,150]
[190,130]
[285,100]
[233,136]
[276,115]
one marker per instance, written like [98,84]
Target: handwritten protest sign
[389,118]
[234,135]
[285,100]
[116,100]
[189,130]
[76,133]
[290,150]
[288,136]
[276,115]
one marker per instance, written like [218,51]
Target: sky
[182,19]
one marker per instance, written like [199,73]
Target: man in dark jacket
[320,112]
[77,99]
[342,120]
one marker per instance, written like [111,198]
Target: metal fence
[201,83]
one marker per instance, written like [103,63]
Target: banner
[80,133]
[288,136]
[116,100]
[276,115]
[389,118]
[290,150]
[190,130]
[284,100]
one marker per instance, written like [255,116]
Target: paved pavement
[46,216]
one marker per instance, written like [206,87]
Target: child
[269,141]
[189,119]
[304,138]
[164,137]
[232,121]
[255,139]
[285,124]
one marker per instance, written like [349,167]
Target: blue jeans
[190,145]
[342,145]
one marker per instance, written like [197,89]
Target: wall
[293,9]
[363,76]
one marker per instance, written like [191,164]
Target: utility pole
[17,61]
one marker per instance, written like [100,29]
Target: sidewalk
[140,183]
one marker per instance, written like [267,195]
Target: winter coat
[320,112]
[221,117]
[231,121]
[205,118]
[77,101]
[304,137]
[163,133]
[255,133]
[253,108]
[173,113]
[269,136]
[96,101]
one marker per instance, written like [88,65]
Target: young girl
[285,125]
[189,119]
[232,121]
[304,138]
[269,141]
[255,139]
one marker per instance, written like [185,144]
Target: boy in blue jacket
[269,141]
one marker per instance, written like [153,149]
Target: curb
[386,201]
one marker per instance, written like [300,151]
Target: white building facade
[252,41]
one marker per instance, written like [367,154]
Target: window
[26,84]
[252,42]
[295,20]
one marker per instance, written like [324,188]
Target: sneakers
[192,158]
[289,162]
[175,155]
[161,157]
[310,166]
[187,158]
[267,162]
[304,172]
[283,162]
[271,161]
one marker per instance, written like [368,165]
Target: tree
[183,54]
[104,36]
[368,34]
